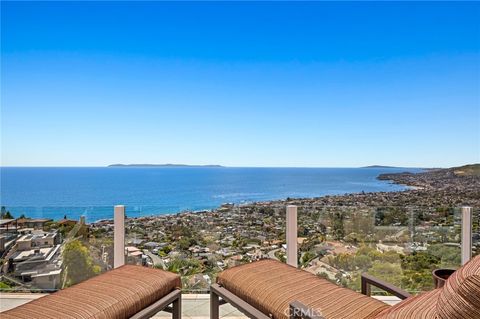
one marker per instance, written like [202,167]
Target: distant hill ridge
[380,166]
[467,170]
[458,178]
[161,165]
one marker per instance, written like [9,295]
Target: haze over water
[55,192]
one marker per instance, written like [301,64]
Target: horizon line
[216,166]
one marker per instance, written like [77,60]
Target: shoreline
[429,189]
[255,203]
[214,207]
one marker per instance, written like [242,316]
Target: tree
[389,272]
[363,262]
[186,242]
[307,257]
[418,261]
[77,263]
[417,280]
[450,256]
[4,285]
[323,275]
[5,214]
[337,225]
[185,266]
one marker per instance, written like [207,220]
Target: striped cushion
[460,297]
[418,307]
[270,286]
[119,293]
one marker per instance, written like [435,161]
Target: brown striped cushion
[118,293]
[270,286]
[417,307]
[460,297]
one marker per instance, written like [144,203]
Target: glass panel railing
[475,231]
[147,241]
[174,242]
[401,245]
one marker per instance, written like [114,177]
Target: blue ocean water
[92,192]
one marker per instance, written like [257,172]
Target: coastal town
[388,234]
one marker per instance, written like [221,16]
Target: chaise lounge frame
[169,299]
[171,303]
[219,296]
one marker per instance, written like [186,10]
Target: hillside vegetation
[467,170]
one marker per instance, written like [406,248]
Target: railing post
[119,236]
[466,234]
[291,235]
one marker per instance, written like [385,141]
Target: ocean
[92,192]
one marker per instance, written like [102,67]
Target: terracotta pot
[440,276]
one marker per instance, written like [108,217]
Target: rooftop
[43,253]
[6,221]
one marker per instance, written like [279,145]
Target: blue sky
[240,84]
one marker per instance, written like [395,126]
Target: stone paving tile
[12,300]
[199,307]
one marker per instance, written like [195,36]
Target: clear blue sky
[240,84]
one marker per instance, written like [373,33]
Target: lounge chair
[269,289]
[126,292]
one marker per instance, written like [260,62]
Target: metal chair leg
[177,308]
[214,305]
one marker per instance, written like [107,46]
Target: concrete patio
[194,306]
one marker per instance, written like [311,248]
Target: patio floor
[194,306]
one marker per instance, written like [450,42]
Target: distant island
[379,166]
[161,165]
